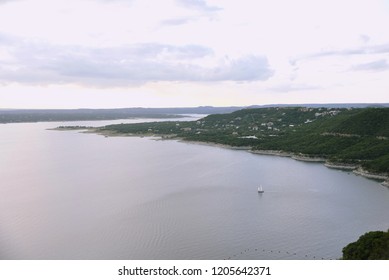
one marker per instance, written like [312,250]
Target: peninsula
[346,138]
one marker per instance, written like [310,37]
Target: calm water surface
[69,195]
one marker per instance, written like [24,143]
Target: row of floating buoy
[286,253]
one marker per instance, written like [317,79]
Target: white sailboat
[260,190]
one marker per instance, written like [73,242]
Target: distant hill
[19,115]
[45,115]
[326,105]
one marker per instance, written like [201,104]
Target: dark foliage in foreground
[373,245]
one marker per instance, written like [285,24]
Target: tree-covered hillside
[373,245]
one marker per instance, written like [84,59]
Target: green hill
[365,122]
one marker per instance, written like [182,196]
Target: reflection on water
[68,195]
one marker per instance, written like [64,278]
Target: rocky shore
[298,157]
[308,159]
[340,166]
[272,153]
[361,172]
[367,174]
[244,148]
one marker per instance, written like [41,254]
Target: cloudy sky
[169,53]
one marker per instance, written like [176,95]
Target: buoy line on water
[281,253]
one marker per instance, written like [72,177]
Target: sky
[186,53]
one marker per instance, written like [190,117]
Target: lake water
[69,195]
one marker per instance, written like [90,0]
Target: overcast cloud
[192,52]
[38,63]
[200,5]
[361,51]
[378,65]
[5,1]
[177,21]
